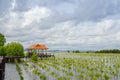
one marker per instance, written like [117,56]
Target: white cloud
[35,14]
[118,36]
[13,5]
[96,34]
[20,21]
[63,23]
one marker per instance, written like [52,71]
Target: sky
[62,24]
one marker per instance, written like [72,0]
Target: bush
[34,56]
[26,54]
[19,69]
[42,77]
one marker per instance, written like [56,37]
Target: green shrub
[19,70]
[43,77]
[34,57]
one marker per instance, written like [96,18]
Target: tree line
[108,51]
[11,49]
[100,51]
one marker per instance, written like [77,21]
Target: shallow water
[27,74]
[11,72]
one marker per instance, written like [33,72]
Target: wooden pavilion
[38,48]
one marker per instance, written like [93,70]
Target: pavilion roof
[37,47]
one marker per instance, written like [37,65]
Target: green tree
[2,40]
[76,51]
[2,51]
[14,49]
[109,51]
[68,51]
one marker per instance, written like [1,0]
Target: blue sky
[62,24]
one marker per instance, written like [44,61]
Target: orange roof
[37,46]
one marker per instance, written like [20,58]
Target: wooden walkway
[2,68]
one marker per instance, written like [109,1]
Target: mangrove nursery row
[71,67]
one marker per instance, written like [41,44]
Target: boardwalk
[2,68]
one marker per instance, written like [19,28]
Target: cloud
[13,4]
[92,34]
[35,15]
[118,36]
[14,21]
[71,24]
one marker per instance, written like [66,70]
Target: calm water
[11,72]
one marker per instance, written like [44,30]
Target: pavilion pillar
[38,52]
[44,51]
[41,51]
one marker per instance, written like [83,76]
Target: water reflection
[11,72]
